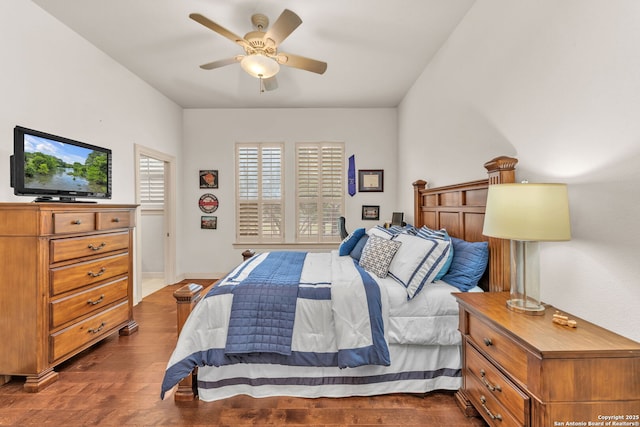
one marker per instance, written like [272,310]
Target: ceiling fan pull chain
[261,84]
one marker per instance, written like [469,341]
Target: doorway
[155,224]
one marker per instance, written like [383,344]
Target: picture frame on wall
[371,180]
[208,222]
[208,178]
[370,212]
[208,203]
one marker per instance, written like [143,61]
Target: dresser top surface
[542,335]
[58,206]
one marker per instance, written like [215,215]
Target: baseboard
[152,275]
[187,276]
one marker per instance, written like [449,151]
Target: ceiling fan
[262,59]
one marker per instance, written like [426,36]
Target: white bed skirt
[414,369]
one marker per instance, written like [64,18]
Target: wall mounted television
[58,169]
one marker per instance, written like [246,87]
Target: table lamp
[527,214]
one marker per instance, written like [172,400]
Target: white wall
[554,83]
[209,143]
[55,81]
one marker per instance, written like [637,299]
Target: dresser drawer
[73,222]
[496,384]
[69,308]
[488,406]
[70,339]
[75,276]
[112,220]
[77,247]
[509,355]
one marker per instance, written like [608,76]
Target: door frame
[169,223]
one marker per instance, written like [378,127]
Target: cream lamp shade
[527,212]
[260,66]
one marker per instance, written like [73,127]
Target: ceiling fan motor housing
[260,22]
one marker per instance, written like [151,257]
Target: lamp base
[525,306]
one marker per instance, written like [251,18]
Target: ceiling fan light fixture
[260,66]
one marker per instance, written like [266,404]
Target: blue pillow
[350,241]
[356,252]
[469,262]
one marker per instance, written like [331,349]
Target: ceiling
[375,49]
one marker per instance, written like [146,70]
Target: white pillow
[377,254]
[418,261]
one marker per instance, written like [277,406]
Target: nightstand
[521,370]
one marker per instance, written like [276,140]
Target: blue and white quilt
[288,308]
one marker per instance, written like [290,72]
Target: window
[151,182]
[319,191]
[259,198]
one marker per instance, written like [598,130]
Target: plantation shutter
[260,210]
[151,181]
[319,191]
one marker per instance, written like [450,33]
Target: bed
[355,333]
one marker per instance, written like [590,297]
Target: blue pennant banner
[351,175]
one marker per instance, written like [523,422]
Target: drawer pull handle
[77,222]
[99,273]
[98,329]
[488,342]
[487,384]
[97,248]
[116,219]
[483,400]
[98,301]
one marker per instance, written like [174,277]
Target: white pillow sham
[418,261]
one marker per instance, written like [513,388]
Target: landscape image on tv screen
[53,165]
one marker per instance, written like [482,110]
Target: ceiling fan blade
[221,62]
[218,29]
[270,84]
[301,62]
[284,25]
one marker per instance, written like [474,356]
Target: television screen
[47,165]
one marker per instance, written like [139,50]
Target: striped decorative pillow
[418,261]
[427,233]
[379,231]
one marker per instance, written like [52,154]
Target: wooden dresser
[66,283]
[521,370]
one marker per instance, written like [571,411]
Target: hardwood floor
[117,383]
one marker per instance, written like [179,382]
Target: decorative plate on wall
[208,203]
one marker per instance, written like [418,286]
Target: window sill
[282,246]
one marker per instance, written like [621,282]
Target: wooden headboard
[459,209]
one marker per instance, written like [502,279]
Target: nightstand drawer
[488,406]
[509,355]
[496,384]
